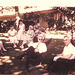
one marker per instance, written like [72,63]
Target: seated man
[61,61]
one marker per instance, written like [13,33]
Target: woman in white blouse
[21,33]
[12,36]
[30,34]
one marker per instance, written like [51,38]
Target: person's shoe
[2,53]
[44,71]
[20,57]
[14,46]
[4,50]
[40,66]
[22,46]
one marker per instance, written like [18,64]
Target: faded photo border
[37,3]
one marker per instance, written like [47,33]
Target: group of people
[21,37]
[37,48]
[56,62]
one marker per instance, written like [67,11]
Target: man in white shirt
[65,59]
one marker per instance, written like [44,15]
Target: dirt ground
[9,65]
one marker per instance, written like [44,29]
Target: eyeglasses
[40,39]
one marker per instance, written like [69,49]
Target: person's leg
[2,47]
[15,41]
[12,41]
[21,44]
[30,55]
[62,65]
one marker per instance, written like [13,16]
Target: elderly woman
[30,34]
[36,50]
[42,32]
[12,36]
[37,32]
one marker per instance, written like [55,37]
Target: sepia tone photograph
[37,37]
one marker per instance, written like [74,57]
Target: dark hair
[11,26]
[20,20]
[35,39]
[36,27]
[42,29]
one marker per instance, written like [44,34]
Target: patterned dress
[30,35]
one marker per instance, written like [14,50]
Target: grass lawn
[10,65]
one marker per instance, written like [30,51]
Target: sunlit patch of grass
[1,63]
[5,59]
[41,69]
[46,74]
[17,49]
[8,47]
[16,73]
[3,38]
[7,42]
[45,65]
[8,61]
[13,57]
[11,63]
[16,67]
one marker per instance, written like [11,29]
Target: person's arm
[9,35]
[57,54]
[43,48]
[15,33]
[33,34]
[66,56]
[24,27]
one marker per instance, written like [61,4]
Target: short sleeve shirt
[12,32]
[70,49]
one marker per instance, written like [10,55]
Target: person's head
[40,39]
[42,29]
[67,40]
[20,22]
[35,27]
[17,17]
[35,39]
[30,27]
[11,28]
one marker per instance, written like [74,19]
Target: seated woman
[12,36]
[2,48]
[36,30]
[30,34]
[36,50]
[42,32]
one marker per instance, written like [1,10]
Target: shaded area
[10,65]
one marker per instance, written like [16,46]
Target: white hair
[69,36]
[31,26]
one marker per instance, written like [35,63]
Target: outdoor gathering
[37,40]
